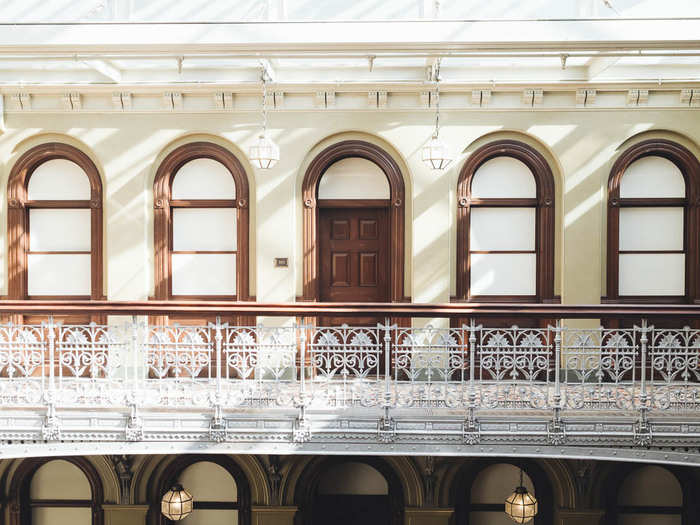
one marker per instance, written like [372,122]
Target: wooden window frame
[19,207]
[689,167]
[309,191]
[163,227]
[172,472]
[544,219]
[21,504]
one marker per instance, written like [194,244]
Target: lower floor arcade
[342,490]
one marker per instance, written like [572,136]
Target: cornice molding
[349,97]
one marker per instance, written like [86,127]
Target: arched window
[218,486]
[201,225]
[505,225]
[653,224]
[55,225]
[49,491]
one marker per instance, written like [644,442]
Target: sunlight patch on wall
[582,208]
[551,134]
[134,157]
[589,168]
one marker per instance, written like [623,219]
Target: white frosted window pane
[58,274]
[58,179]
[503,274]
[652,274]
[203,179]
[207,481]
[62,230]
[211,517]
[503,177]
[209,229]
[652,177]
[61,516]
[204,274]
[59,479]
[354,178]
[502,229]
[651,229]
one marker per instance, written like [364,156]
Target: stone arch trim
[161,481]
[460,491]
[22,478]
[307,485]
[309,193]
[689,166]
[545,217]
[162,219]
[18,216]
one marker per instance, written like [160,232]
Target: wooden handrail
[310,309]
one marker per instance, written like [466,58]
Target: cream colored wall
[580,145]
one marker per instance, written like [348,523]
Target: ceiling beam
[104,68]
[434,36]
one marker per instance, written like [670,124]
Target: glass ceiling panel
[262,10]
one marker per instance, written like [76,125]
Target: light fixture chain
[264,102]
[437,98]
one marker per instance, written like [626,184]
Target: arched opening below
[489,491]
[352,494]
[215,494]
[60,494]
[650,495]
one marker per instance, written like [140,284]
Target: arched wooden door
[353,228]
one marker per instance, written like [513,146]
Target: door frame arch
[309,192]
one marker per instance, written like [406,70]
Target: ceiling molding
[76,99]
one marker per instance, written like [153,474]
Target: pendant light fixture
[177,503]
[435,154]
[264,153]
[521,506]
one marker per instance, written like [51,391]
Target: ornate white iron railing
[471,368]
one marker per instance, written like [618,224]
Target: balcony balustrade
[465,385]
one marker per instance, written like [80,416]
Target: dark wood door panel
[354,258]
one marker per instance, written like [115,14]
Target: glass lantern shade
[176,504]
[436,154]
[521,506]
[264,153]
